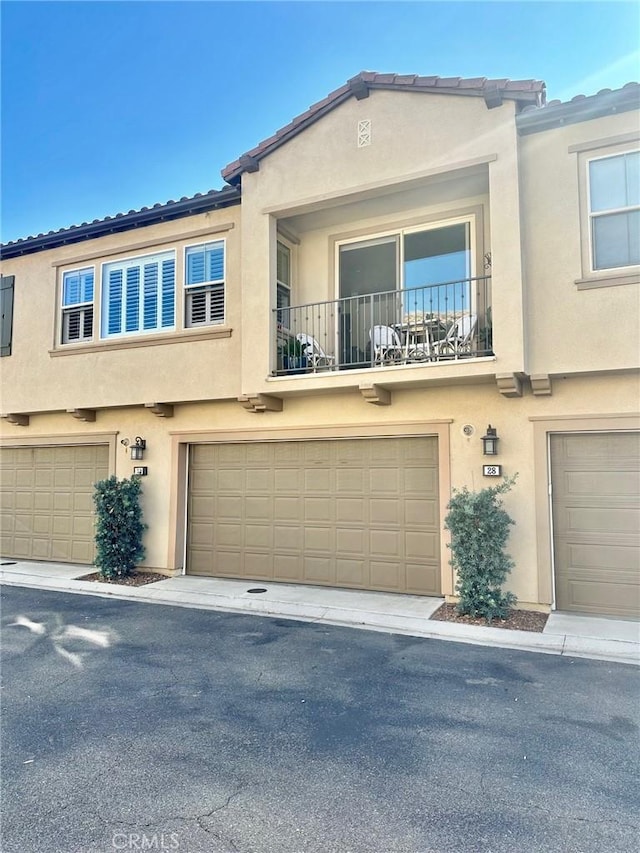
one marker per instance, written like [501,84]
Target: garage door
[360,513]
[47,506]
[596,520]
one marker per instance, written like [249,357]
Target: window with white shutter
[138,295]
[204,284]
[77,305]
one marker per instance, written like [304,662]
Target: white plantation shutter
[77,305]
[204,285]
[138,295]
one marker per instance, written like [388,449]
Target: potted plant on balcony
[292,357]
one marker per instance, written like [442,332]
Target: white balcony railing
[418,325]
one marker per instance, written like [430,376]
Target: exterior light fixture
[489,442]
[138,448]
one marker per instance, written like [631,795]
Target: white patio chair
[386,345]
[316,356]
[459,338]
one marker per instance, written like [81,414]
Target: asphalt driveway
[128,726]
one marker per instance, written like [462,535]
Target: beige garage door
[47,506]
[347,513]
[596,520]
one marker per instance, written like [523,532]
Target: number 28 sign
[492,470]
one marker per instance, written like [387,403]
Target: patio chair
[315,355]
[459,339]
[386,345]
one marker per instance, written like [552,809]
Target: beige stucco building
[314,353]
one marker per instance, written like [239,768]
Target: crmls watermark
[142,841]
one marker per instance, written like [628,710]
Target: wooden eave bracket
[541,384]
[161,410]
[493,97]
[376,394]
[359,88]
[87,415]
[510,384]
[249,164]
[261,403]
[18,420]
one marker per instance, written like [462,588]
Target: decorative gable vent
[364,133]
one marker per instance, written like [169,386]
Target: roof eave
[200,203]
[579,109]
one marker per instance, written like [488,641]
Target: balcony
[415,326]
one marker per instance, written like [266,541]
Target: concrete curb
[617,651]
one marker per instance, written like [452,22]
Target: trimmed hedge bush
[119,526]
[479,530]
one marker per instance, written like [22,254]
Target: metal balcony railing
[417,325]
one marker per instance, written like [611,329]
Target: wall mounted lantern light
[138,448]
[489,442]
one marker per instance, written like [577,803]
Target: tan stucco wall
[410,412]
[571,329]
[41,375]
[322,170]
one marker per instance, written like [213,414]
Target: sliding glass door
[421,272]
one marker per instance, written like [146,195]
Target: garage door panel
[601,558]
[383,511]
[604,482]
[596,512]
[332,512]
[417,481]
[387,575]
[317,509]
[421,545]
[420,578]
[289,480]
[610,520]
[288,566]
[288,537]
[350,480]
[318,570]
[319,538]
[350,510]
[318,480]
[383,481]
[351,573]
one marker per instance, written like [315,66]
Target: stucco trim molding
[185,337]
[260,403]
[376,394]
[592,145]
[541,384]
[16,419]
[509,384]
[606,281]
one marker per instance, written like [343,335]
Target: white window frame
[126,262]
[592,216]
[207,287]
[282,286]
[80,307]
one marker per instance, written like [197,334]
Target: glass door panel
[368,273]
[436,271]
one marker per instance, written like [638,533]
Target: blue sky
[111,106]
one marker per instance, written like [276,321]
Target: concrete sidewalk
[565,634]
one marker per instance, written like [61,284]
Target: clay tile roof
[523,91]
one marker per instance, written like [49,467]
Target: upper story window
[77,305]
[614,211]
[283,281]
[138,295]
[204,284]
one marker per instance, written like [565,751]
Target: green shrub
[479,530]
[119,526]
